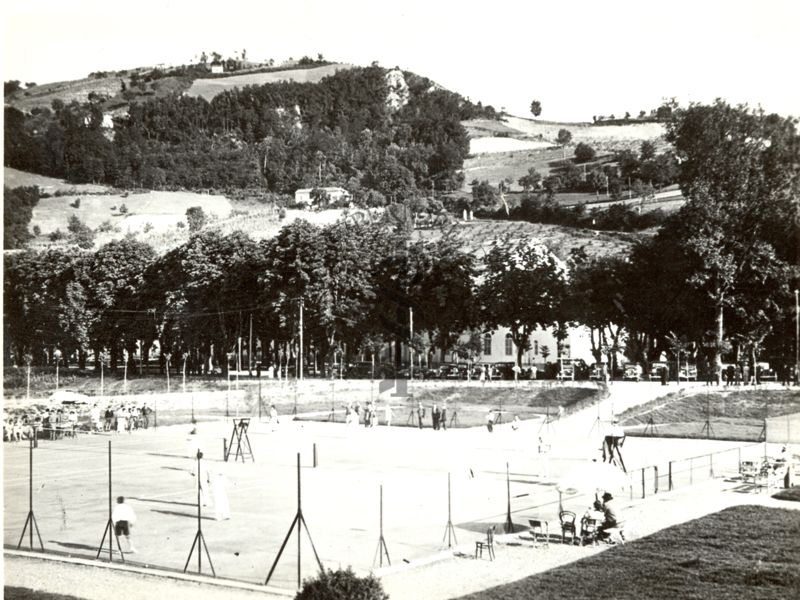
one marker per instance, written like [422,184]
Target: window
[509,345]
[487,344]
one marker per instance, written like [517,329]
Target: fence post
[711,466]
[643,477]
[739,449]
[315,455]
[691,471]
[669,477]
[655,472]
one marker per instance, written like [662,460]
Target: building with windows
[335,194]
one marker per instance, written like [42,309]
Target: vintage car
[632,372]
[655,370]
[765,372]
[688,372]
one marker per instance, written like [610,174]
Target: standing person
[122,419]
[218,484]
[482,374]
[72,419]
[443,416]
[420,414]
[435,414]
[124,519]
[145,415]
[273,417]
[388,414]
[94,415]
[109,419]
[490,420]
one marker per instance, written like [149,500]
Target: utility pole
[250,348]
[301,340]
[410,342]
[797,333]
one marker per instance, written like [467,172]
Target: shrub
[148,227]
[282,213]
[37,230]
[57,235]
[123,209]
[76,203]
[583,152]
[196,218]
[342,585]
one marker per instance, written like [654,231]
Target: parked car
[632,372]
[599,372]
[655,370]
[688,372]
[765,372]
[360,370]
[566,370]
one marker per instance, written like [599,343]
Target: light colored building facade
[335,194]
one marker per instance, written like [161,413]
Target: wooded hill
[276,138]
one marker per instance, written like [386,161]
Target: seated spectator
[611,516]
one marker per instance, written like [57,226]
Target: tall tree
[739,172]
[536,108]
[523,288]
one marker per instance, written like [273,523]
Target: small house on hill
[217,67]
[335,194]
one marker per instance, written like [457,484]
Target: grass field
[744,552]
[17,593]
[734,414]
[49,185]
[208,88]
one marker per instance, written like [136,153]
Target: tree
[563,139]
[739,172]
[9,87]
[583,152]
[195,217]
[17,214]
[536,108]
[523,288]
[342,584]
[647,150]
[80,233]
[484,195]
[531,181]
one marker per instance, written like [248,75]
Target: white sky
[579,58]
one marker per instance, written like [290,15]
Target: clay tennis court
[340,497]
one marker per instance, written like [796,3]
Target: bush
[123,209]
[196,218]
[105,227]
[583,152]
[76,203]
[57,235]
[342,585]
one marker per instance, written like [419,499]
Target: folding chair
[567,519]
[488,544]
[536,525]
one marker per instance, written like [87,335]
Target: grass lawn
[744,552]
[18,593]
[735,415]
[792,494]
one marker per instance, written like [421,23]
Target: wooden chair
[588,531]
[536,525]
[488,544]
[567,519]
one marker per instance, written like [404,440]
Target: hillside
[208,88]
[509,147]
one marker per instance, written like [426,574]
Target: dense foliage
[18,206]
[715,281]
[342,584]
[279,137]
